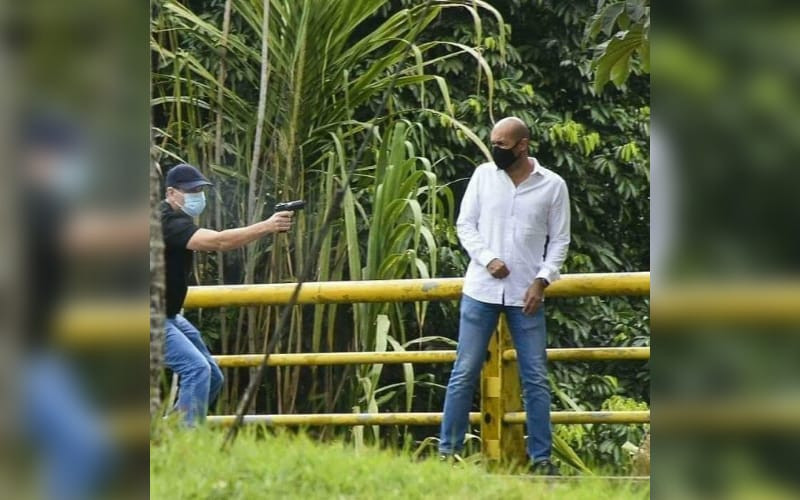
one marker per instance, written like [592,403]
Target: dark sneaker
[545,468]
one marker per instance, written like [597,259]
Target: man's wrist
[543,281]
[486,256]
[264,228]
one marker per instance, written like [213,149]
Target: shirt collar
[537,168]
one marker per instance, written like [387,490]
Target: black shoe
[545,468]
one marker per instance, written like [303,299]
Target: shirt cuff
[550,275]
[485,256]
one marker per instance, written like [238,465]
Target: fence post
[491,412]
[512,443]
[500,393]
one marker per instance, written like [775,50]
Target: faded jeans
[199,376]
[478,323]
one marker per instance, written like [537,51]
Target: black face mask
[502,157]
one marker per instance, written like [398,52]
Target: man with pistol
[185,353]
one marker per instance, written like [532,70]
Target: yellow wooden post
[491,410]
[512,438]
[500,393]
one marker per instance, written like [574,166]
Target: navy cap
[185,176]
[50,132]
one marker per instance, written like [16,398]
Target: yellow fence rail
[501,407]
[429,418]
[341,292]
[355,358]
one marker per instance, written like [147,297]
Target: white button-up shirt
[512,223]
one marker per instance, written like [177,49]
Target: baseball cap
[185,176]
[50,132]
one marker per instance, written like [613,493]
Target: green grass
[189,464]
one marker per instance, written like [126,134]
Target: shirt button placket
[509,239]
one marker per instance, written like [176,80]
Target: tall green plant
[323,66]
[400,201]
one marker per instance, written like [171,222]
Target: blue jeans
[199,376]
[478,323]
[69,436]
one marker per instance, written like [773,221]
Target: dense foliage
[286,126]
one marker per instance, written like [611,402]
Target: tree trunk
[254,210]
[223,326]
[157,289]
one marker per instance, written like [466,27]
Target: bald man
[514,224]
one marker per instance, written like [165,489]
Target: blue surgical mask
[71,176]
[194,203]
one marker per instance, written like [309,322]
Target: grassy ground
[188,464]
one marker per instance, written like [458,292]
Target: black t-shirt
[177,228]
[44,215]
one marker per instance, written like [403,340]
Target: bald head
[513,128]
[510,138]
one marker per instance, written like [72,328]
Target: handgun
[290,206]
